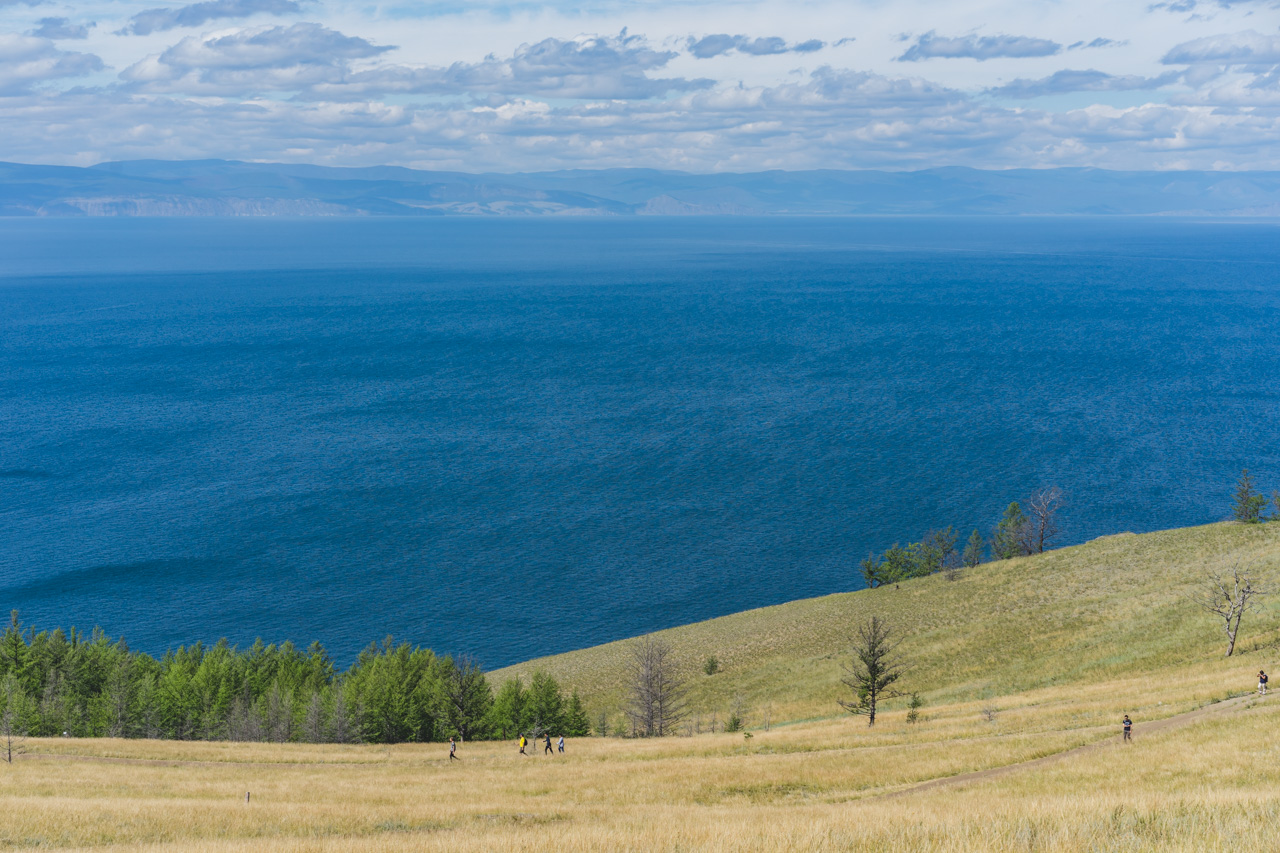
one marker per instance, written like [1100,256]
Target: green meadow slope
[1113,608]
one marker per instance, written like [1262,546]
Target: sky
[490,86]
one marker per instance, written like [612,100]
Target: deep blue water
[509,438]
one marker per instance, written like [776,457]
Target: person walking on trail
[1262,683]
[453,750]
[560,744]
[1128,729]
[522,746]
[547,741]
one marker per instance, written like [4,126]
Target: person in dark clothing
[1262,683]
[1128,729]
[453,750]
[547,741]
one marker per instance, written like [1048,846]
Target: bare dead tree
[313,728]
[1042,525]
[1229,597]
[656,701]
[876,667]
[278,714]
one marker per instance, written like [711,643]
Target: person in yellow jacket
[523,743]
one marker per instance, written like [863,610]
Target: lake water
[508,438]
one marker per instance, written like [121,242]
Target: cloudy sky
[476,85]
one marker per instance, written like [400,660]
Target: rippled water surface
[514,437]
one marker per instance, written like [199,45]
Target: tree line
[56,682]
[1018,533]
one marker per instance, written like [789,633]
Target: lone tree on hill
[875,668]
[1248,503]
[1010,537]
[1228,598]
[1043,523]
[656,701]
[973,550]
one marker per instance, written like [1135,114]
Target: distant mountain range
[230,188]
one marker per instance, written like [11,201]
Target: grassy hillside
[1113,607]
[1057,647]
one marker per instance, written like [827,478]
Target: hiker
[560,744]
[1262,683]
[453,750]
[1128,728]
[547,741]
[522,744]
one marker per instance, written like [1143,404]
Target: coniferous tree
[576,722]
[507,710]
[872,575]
[14,654]
[544,705]
[1248,503]
[897,565]
[465,698]
[876,667]
[15,716]
[973,549]
[1011,534]
[935,552]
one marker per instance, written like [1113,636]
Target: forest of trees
[53,682]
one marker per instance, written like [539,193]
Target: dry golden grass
[1111,607]
[1061,645]
[1213,784]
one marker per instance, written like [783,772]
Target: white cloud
[60,28]
[1091,80]
[588,67]
[251,61]
[26,62]
[981,48]
[1248,47]
[500,87]
[159,20]
[719,44]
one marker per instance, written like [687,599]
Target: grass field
[1059,645]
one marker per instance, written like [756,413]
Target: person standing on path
[1262,683]
[547,741]
[522,745]
[1128,728]
[453,750]
[560,744]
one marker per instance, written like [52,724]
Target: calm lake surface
[509,438]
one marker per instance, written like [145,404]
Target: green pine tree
[544,704]
[872,573]
[576,723]
[1248,503]
[973,549]
[1010,536]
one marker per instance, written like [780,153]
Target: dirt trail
[1139,730]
